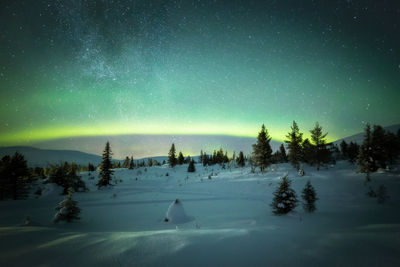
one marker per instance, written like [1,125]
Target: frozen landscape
[229,221]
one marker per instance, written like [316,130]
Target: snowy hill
[358,138]
[41,157]
[227,221]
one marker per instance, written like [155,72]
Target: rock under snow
[176,214]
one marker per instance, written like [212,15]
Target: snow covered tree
[181,158]
[106,171]
[172,156]
[191,167]
[309,197]
[294,139]
[67,210]
[240,160]
[285,199]
[262,152]
[365,156]
[319,140]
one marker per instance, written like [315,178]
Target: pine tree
[19,176]
[240,160]
[126,163]
[344,149]
[378,147]
[131,164]
[191,167]
[352,152]
[307,152]
[282,154]
[309,196]
[319,140]
[91,167]
[285,199]
[262,152]
[181,158]
[14,177]
[68,209]
[365,156]
[294,140]
[172,156]
[106,171]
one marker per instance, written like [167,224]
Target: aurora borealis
[99,68]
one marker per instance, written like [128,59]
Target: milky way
[84,68]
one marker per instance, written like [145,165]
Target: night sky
[99,68]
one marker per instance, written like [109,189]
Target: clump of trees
[15,177]
[315,152]
[379,149]
[218,157]
[65,175]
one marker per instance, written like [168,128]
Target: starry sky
[72,69]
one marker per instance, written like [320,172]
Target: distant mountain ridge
[358,138]
[42,157]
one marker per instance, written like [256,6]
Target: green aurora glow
[216,68]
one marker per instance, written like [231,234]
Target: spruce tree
[353,151]
[19,176]
[309,197]
[172,156]
[126,163]
[344,149]
[365,157]
[191,167]
[307,152]
[294,140]
[319,140]
[380,155]
[262,152]
[285,199]
[131,164]
[67,210]
[181,158]
[106,171]
[240,160]
[282,154]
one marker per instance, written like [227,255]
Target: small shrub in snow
[67,210]
[285,199]
[309,196]
[382,194]
[301,172]
[167,174]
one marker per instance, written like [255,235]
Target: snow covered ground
[229,221]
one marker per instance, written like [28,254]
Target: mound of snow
[176,214]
